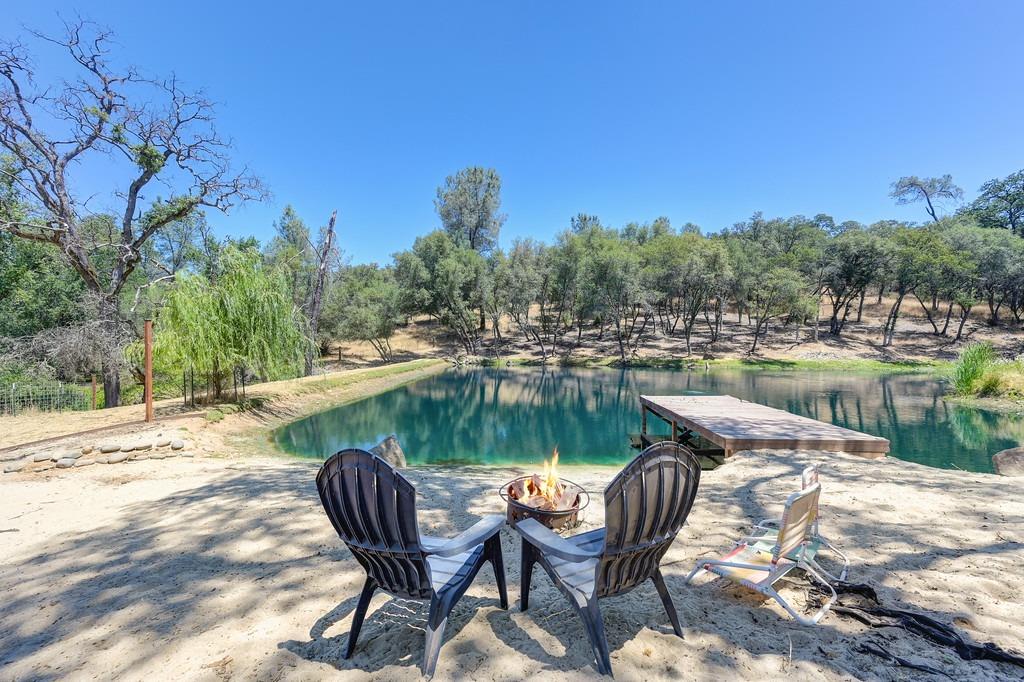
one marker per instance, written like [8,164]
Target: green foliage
[932,191]
[974,361]
[1000,203]
[468,205]
[291,252]
[245,320]
[148,158]
[365,306]
[444,280]
[38,290]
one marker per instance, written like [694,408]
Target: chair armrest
[549,542]
[476,534]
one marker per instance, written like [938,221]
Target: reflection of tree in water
[517,415]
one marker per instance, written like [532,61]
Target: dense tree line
[76,283]
[642,280]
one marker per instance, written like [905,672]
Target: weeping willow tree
[245,321]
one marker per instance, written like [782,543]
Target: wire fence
[52,396]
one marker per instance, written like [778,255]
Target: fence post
[94,391]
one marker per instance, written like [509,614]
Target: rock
[1009,462]
[143,446]
[177,444]
[117,457]
[159,455]
[16,466]
[185,454]
[109,447]
[391,452]
[86,449]
[84,462]
[163,442]
[66,463]
[139,458]
[41,457]
[71,454]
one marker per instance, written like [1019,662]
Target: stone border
[107,452]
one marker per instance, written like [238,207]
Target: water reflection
[517,415]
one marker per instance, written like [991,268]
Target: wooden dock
[733,424]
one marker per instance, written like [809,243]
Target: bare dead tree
[323,258]
[153,131]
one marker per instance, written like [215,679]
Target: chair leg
[666,599]
[594,623]
[436,620]
[493,549]
[357,620]
[528,557]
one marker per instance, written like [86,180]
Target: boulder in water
[1009,462]
[391,452]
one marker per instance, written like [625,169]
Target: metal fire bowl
[554,520]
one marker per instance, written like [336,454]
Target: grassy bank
[980,376]
[818,365]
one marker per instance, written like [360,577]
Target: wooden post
[643,419]
[94,391]
[339,355]
[148,341]
[675,431]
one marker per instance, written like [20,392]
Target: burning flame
[550,487]
[542,490]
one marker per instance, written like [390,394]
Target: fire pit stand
[552,518]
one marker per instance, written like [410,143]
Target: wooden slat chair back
[645,506]
[373,509]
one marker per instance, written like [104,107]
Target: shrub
[974,361]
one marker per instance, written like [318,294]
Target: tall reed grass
[968,375]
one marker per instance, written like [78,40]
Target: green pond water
[517,415]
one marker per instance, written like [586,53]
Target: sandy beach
[215,568]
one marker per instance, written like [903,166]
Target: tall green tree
[853,261]
[932,191]
[1000,203]
[469,205]
[441,279]
[366,306]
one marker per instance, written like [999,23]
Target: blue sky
[627,110]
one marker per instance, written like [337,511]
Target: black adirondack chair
[373,508]
[645,506]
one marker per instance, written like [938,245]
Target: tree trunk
[890,322]
[111,363]
[949,314]
[964,314]
[316,299]
[860,306]
[928,314]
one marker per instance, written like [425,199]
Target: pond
[517,415]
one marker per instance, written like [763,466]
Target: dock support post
[643,420]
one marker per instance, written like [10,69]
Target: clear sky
[704,112]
